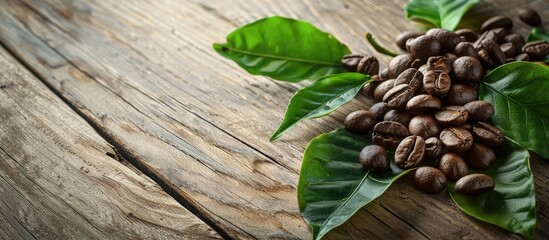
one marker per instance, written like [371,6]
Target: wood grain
[145,75]
[59,179]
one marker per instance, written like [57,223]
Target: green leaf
[321,98]
[441,13]
[518,91]
[379,48]
[536,34]
[332,185]
[284,49]
[512,204]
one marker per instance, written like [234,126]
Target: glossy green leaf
[536,34]
[512,204]
[442,13]
[284,49]
[332,185]
[519,94]
[321,98]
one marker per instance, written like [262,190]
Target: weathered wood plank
[58,179]
[145,74]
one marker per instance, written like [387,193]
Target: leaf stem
[378,47]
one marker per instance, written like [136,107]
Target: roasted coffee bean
[375,158]
[360,121]
[465,49]
[500,34]
[516,39]
[424,126]
[409,152]
[480,110]
[491,54]
[404,36]
[452,116]
[451,57]
[433,148]
[475,183]
[423,47]
[430,179]
[412,77]
[398,96]
[389,134]
[456,139]
[417,63]
[488,134]
[453,166]
[536,50]
[399,63]
[437,83]
[384,73]
[423,69]
[423,103]
[350,61]
[460,94]
[467,69]
[490,35]
[468,126]
[398,116]
[382,89]
[379,110]
[439,63]
[522,57]
[369,88]
[368,65]
[529,17]
[467,34]
[497,22]
[479,156]
[508,60]
[448,39]
[508,49]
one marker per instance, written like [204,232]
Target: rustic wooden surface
[143,74]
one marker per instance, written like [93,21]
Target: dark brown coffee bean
[480,156]
[398,96]
[350,61]
[423,69]
[439,63]
[379,110]
[423,103]
[491,54]
[417,63]
[409,152]
[374,157]
[522,57]
[467,70]
[389,134]
[467,34]
[468,126]
[451,57]
[508,49]
[529,16]
[398,64]
[453,166]
[384,73]
[465,49]
[404,36]
[398,116]
[480,110]
[369,88]
[497,22]
[452,116]
[516,39]
[423,47]
[382,89]
[368,65]
[360,121]
[412,77]
[424,126]
[430,179]
[488,134]
[437,83]
[433,148]
[448,39]
[475,183]
[456,139]
[460,94]
[536,50]
[500,34]
[490,35]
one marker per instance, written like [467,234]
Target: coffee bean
[423,47]
[382,89]
[497,22]
[399,63]
[451,57]
[404,36]
[417,63]
[389,134]
[486,36]
[424,126]
[468,126]
[453,166]
[508,49]
[412,77]
[375,158]
[522,57]
[516,39]
[456,139]
[488,134]
[474,184]
[447,39]
[368,65]
[350,61]
[480,110]
[490,53]
[536,50]
[452,116]
[423,69]
[500,34]
[379,110]
[439,63]
[384,73]
[480,156]
[398,116]
[369,88]
[460,94]
[430,179]
[437,83]
[423,103]
[398,96]
[467,34]
[465,49]
[433,148]
[467,70]
[529,17]
[360,121]
[409,152]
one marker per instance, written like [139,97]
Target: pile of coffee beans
[427,109]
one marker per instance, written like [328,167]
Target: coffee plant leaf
[441,13]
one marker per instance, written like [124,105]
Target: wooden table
[118,120]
